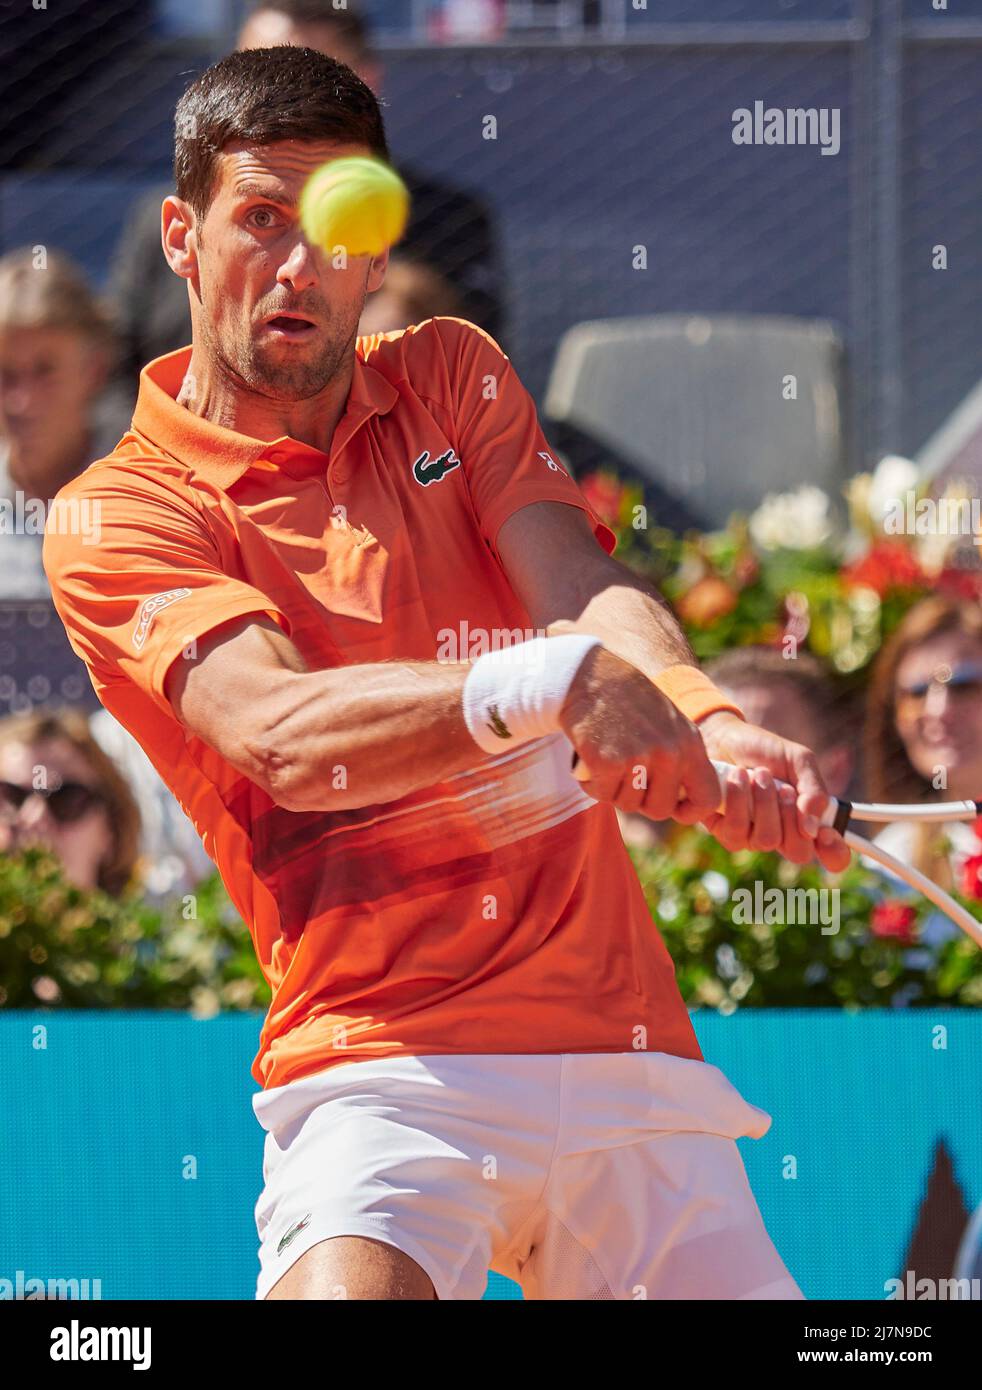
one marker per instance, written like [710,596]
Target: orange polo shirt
[494,912]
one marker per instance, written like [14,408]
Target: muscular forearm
[361,735]
[633,621]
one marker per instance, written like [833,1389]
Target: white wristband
[516,694]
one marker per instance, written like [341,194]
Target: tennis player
[359,617]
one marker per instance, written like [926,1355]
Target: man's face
[253,264]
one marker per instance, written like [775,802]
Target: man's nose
[299,270]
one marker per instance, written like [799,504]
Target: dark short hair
[262,95]
[349,28]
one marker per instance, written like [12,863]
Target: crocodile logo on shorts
[427,470]
[292,1233]
[496,724]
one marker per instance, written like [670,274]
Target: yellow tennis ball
[358,203]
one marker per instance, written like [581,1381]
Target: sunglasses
[67,803]
[963,680]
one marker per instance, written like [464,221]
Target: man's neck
[208,392]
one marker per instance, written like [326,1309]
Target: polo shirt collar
[222,455]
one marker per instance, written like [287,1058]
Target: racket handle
[832,814]
[836,814]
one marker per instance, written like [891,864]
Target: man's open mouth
[290,325]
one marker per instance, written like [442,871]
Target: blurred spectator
[410,293]
[448,229]
[793,698]
[923,732]
[60,790]
[56,354]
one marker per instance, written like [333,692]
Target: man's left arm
[564,579]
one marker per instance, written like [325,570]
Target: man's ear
[179,237]
[376,271]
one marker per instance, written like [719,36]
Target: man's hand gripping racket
[839,816]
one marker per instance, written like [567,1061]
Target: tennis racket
[840,814]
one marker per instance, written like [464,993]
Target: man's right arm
[350,736]
[146,597]
[328,739]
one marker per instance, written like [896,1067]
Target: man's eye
[266,213]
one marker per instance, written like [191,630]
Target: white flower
[716,885]
[797,520]
[892,479]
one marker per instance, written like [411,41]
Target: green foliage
[689,884]
[62,947]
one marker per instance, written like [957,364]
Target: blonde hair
[53,295]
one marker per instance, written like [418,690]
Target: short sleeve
[136,577]
[505,456]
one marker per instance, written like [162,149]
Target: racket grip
[830,816]
[836,813]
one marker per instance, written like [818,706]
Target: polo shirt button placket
[338,510]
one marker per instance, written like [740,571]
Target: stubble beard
[290,372]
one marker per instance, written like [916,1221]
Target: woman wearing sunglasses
[59,789]
[923,736]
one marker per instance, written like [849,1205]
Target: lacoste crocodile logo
[496,724]
[427,470]
[292,1233]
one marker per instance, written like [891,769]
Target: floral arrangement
[801,569]
[873,953]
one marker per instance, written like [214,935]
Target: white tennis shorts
[579,1175]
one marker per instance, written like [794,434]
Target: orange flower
[706,602]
